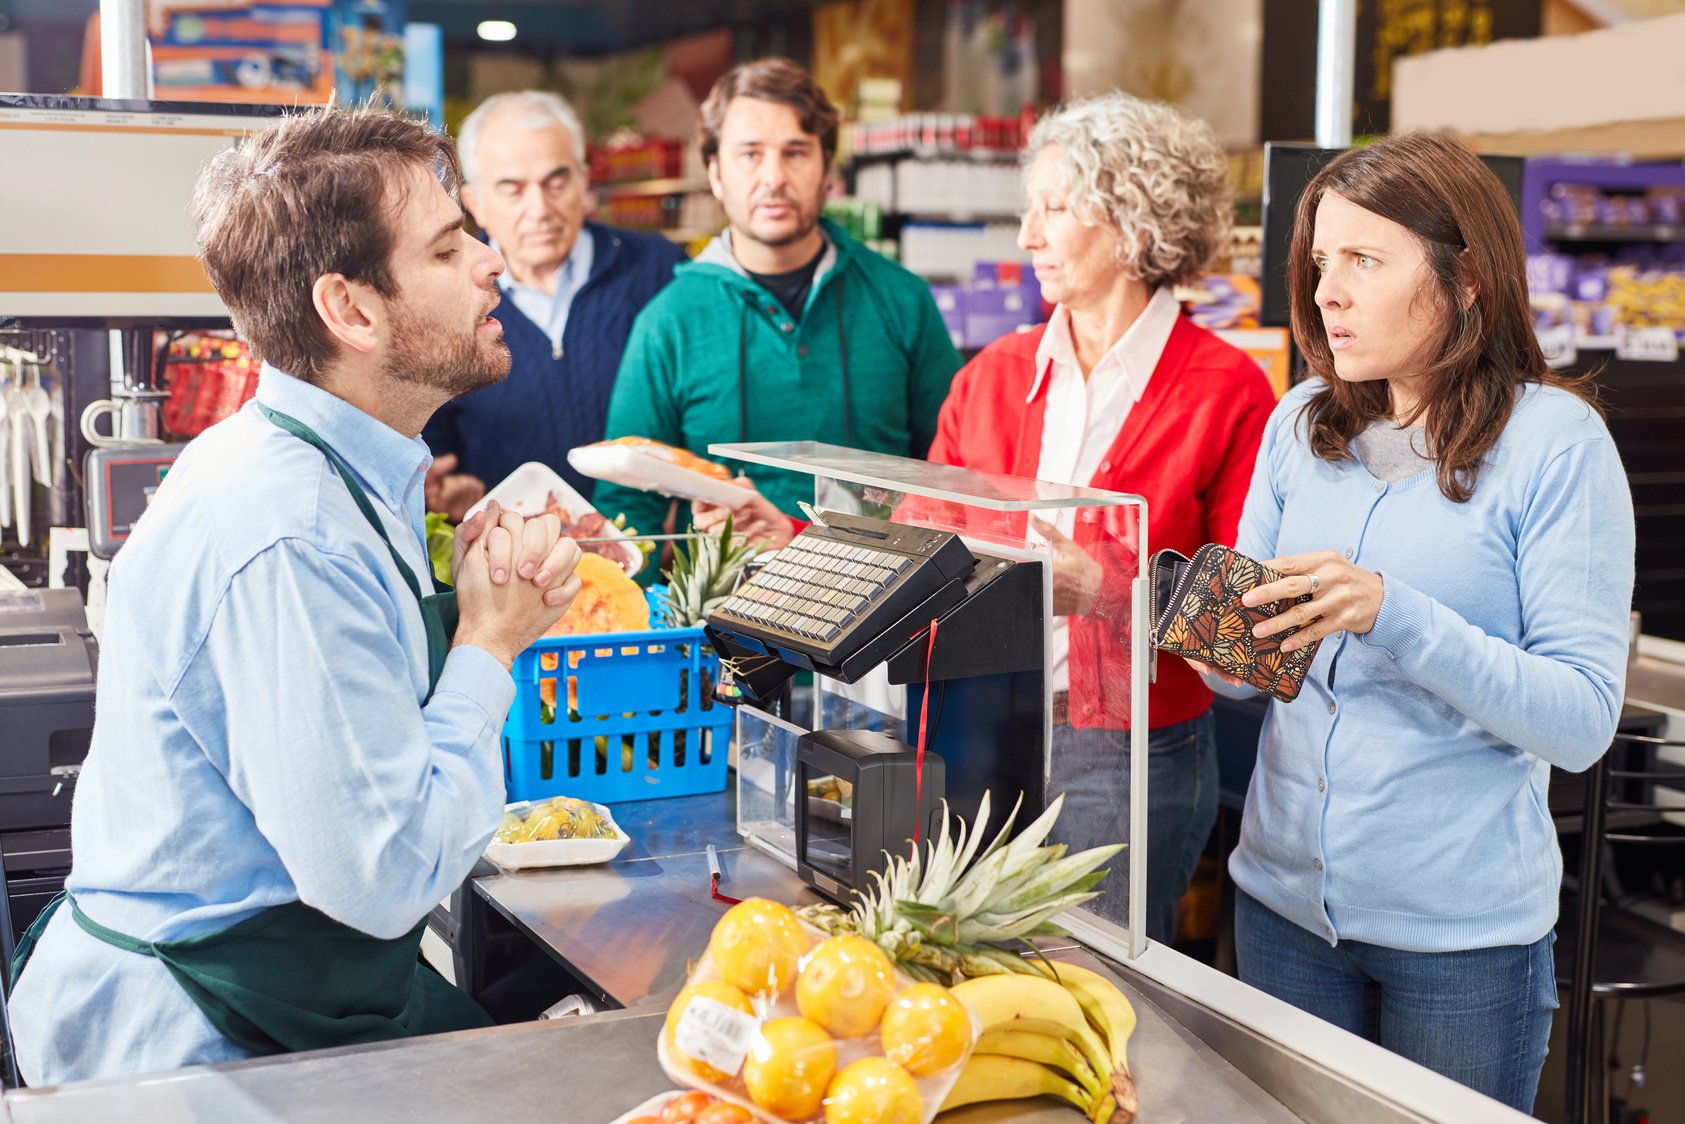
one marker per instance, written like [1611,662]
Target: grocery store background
[937,94]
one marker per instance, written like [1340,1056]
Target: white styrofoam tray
[556,852]
[645,468]
[651,1107]
[527,488]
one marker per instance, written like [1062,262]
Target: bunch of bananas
[1065,1036]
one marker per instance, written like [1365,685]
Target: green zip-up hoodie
[715,357]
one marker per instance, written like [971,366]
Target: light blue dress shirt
[551,312]
[260,736]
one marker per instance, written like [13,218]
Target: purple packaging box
[987,275]
[992,313]
[1549,273]
[1591,284]
[950,302]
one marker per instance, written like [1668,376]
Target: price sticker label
[1648,345]
[711,1032]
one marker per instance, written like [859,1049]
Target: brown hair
[775,80]
[1460,213]
[312,195]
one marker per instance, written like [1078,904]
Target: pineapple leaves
[706,569]
[945,911]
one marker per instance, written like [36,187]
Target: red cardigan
[1187,447]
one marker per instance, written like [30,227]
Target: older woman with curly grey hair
[1125,199]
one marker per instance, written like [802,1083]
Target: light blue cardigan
[1400,799]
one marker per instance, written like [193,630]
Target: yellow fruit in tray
[608,601]
[925,1029]
[790,1066]
[709,989]
[511,829]
[873,1091]
[845,984]
[755,946]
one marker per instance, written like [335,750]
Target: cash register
[48,664]
[919,597]
[851,593]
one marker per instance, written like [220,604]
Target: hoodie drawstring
[842,353]
[743,375]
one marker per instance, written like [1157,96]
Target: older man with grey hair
[570,293]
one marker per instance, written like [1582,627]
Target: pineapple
[947,913]
[705,571]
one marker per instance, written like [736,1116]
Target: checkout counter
[1206,1048]
[616,940]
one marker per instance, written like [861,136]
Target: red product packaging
[184,380]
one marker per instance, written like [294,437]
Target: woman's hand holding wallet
[1257,623]
[1343,598]
[1301,597]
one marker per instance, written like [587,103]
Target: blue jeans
[1481,1017]
[1091,767]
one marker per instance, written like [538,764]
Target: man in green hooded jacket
[784,328]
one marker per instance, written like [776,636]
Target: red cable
[924,715]
[714,891]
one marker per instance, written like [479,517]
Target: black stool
[1615,954]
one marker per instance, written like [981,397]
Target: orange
[925,1029]
[718,991]
[844,985]
[608,601]
[790,1066]
[756,945]
[873,1091]
[684,1109]
[725,1113]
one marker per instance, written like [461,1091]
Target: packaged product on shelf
[209,378]
[1223,301]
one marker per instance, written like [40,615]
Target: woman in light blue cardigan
[1459,515]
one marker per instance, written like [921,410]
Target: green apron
[290,977]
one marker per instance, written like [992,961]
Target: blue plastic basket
[646,727]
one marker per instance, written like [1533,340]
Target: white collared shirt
[550,310]
[1084,416]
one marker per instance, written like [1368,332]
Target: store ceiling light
[496,31]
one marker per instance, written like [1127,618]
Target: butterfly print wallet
[1197,613]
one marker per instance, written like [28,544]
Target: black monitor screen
[1288,168]
[828,844]
[96,200]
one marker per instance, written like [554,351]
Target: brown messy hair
[312,195]
[1466,225]
[775,80]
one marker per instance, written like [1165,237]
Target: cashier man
[295,751]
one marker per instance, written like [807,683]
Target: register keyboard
[840,586]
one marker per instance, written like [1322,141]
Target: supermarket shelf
[1582,232]
[688,233]
[676,186]
[931,152]
[955,216]
[675,233]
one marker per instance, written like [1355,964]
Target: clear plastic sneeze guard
[1037,684]
[766,780]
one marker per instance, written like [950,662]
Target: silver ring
[1316,584]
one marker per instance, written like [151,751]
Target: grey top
[1392,453]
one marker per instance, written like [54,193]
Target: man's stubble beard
[809,221]
[425,354]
